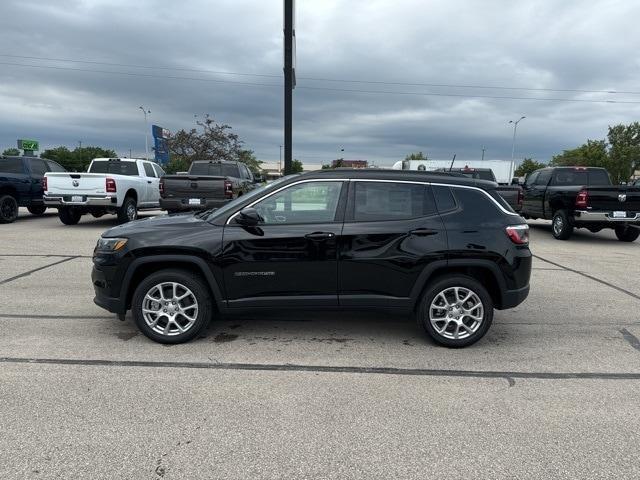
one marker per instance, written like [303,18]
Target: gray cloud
[545,44]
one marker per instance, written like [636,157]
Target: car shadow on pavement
[579,235]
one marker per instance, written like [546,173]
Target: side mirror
[249,217]
[515,181]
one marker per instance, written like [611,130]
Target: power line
[379,92]
[320,79]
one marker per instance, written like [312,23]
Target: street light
[513,145]
[146,131]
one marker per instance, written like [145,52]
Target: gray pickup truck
[207,184]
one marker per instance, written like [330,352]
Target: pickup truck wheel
[456,311]
[171,306]
[8,209]
[561,225]
[128,212]
[626,233]
[37,209]
[69,216]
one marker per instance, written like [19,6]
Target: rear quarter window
[476,207]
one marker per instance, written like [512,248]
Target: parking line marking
[289,367]
[59,317]
[46,255]
[26,274]
[591,277]
[631,338]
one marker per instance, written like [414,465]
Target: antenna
[452,160]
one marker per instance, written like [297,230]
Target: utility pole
[483,152]
[289,81]
[280,162]
[146,131]
[513,145]
[130,156]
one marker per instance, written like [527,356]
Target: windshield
[214,169]
[114,166]
[218,212]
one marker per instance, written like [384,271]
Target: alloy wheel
[456,313]
[170,308]
[558,225]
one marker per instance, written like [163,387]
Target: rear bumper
[88,201]
[606,217]
[182,204]
[513,298]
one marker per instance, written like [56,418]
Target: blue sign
[160,137]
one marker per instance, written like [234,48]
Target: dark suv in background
[448,249]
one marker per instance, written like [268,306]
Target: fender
[428,271]
[192,259]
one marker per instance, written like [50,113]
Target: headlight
[110,244]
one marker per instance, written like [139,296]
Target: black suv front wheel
[171,306]
[456,311]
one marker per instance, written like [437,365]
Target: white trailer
[502,169]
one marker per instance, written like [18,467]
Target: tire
[8,209]
[561,226]
[69,216]
[128,212]
[159,327]
[440,297]
[625,233]
[97,214]
[37,209]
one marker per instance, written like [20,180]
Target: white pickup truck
[121,186]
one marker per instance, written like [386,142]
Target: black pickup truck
[21,185]
[207,184]
[582,197]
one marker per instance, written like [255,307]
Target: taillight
[582,200]
[111,185]
[161,186]
[44,183]
[228,189]
[520,197]
[519,234]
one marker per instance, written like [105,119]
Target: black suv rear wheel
[171,306]
[456,311]
[626,233]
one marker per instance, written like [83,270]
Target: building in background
[341,163]
[273,170]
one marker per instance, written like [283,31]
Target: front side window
[379,201]
[309,202]
[531,178]
[543,178]
[11,165]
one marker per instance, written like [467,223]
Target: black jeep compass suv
[445,248]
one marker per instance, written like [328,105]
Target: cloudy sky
[378,78]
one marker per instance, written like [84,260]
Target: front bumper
[88,201]
[182,204]
[102,288]
[595,217]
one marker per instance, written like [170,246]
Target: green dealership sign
[26,144]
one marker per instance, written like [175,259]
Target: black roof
[408,175]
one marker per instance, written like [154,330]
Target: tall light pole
[280,162]
[146,131]
[483,149]
[513,145]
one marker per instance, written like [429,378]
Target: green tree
[624,151]
[527,166]
[176,164]
[296,166]
[248,157]
[77,160]
[591,154]
[416,156]
[11,152]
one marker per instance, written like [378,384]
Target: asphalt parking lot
[550,392]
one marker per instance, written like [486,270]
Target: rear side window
[148,169]
[38,167]
[11,165]
[159,171]
[378,201]
[566,177]
[116,167]
[444,199]
[599,177]
[54,167]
